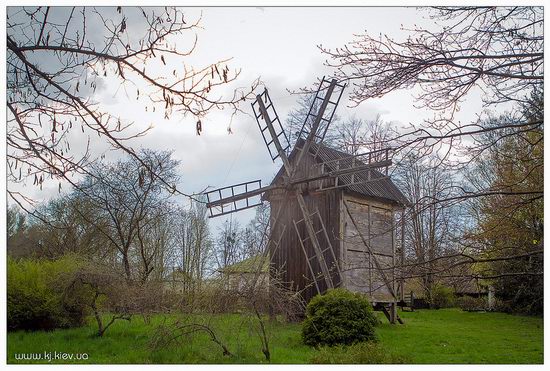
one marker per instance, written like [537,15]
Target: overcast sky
[280,46]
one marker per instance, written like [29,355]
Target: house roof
[383,189]
[249,265]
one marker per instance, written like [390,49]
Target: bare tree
[110,297]
[128,199]
[496,50]
[229,245]
[193,245]
[430,226]
[157,240]
[356,135]
[254,234]
[106,293]
[182,329]
[58,56]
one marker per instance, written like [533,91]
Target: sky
[279,45]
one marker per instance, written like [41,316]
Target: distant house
[471,287]
[241,275]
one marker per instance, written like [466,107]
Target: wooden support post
[393,313]
[402,275]
[393,238]
[385,311]
[370,255]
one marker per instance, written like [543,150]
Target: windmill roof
[383,189]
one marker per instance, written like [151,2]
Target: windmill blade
[236,197]
[346,171]
[272,131]
[320,115]
[354,169]
[380,158]
[359,173]
[323,113]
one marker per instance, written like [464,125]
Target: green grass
[454,336]
[429,336]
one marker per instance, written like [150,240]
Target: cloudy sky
[279,45]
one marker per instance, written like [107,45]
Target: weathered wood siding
[359,273]
[375,223]
[288,259]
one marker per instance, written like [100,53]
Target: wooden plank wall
[375,222]
[288,260]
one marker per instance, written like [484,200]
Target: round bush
[338,317]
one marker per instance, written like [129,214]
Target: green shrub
[36,299]
[442,297]
[359,353]
[338,317]
[470,304]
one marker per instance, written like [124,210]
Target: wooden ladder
[309,258]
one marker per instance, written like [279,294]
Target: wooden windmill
[312,189]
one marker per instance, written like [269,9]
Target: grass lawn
[454,336]
[429,336]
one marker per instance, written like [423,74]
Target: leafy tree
[509,233]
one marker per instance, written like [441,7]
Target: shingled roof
[383,189]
